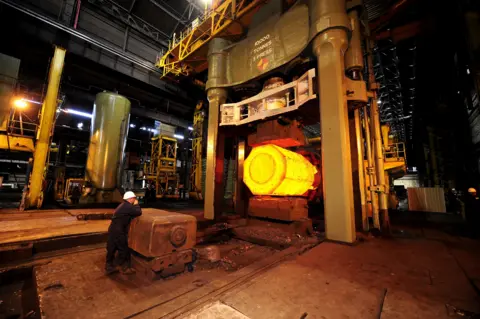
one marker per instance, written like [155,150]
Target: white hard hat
[129,195]
[472,190]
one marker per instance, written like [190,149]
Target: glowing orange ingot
[273,170]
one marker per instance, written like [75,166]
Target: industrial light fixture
[79,113]
[190,128]
[143,128]
[180,137]
[379,102]
[80,125]
[32,101]
[132,125]
[20,104]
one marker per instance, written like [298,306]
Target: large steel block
[158,232]
[280,208]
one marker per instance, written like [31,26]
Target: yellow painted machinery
[308,58]
[109,129]
[197,153]
[162,169]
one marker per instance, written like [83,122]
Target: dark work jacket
[122,217]
[472,209]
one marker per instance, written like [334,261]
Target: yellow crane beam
[184,53]
[45,129]
[16,143]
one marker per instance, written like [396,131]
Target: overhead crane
[187,52]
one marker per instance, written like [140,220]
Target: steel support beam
[159,116]
[131,20]
[45,129]
[330,22]
[108,48]
[240,198]
[168,11]
[214,190]
[354,66]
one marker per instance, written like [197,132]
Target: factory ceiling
[127,36]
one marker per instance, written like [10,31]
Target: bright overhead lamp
[79,113]
[180,137]
[20,104]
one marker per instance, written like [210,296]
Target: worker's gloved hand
[135,202]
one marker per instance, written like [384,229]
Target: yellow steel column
[354,67]
[361,170]
[197,144]
[240,198]
[371,170]
[45,129]
[330,21]
[379,164]
[377,137]
[217,95]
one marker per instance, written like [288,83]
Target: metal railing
[395,152]
[292,96]
[199,32]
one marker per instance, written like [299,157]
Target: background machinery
[196,172]
[162,169]
[106,151]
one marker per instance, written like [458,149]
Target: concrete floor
[418,274]
[414,277]
[75,286]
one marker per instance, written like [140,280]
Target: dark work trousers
[118,242]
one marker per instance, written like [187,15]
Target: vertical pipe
[77,14]
[371,170]
[379,164]
[361,170]
[45,129]
[354,66]
[217,95]
[239,187]
[21,122]
[330,20]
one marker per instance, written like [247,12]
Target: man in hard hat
[472,211]
[118,233]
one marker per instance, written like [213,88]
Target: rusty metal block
[272,132]
[158,232]
[163,266]
[173,259]
[281,208]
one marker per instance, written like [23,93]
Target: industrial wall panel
[475,125]
[52,8]
[142,48]
[102,28]
[426,199]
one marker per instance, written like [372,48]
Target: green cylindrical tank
[108,137]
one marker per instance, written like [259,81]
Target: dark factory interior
[239,159]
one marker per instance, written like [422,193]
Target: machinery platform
[24,227]
[18,227]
